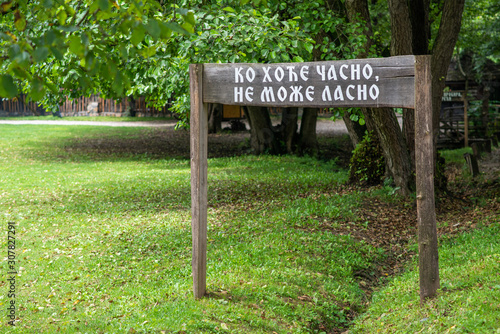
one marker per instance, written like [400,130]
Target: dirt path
[323,126]
[156,124]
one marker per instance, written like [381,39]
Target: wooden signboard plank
[376,82]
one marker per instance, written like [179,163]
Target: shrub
[367,165]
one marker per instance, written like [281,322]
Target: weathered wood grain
[198,142]
[376,82]
[424,165]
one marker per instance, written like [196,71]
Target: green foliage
[54,48]
[242,34]
[325,22]
[480,33]
[367,165]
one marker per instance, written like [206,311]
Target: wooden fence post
[198,142]
[424,162]
[472,164]
[476,150]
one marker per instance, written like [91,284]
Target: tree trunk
[401,34]
[308,141]
[395,151]
[356,131]
[420,25]
[131,106]
[384,120]
[262,136]
[401,44]
[442,52]
[288,128]
[214,118]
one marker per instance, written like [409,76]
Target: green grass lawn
[103,245]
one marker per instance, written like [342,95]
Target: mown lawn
[103,243]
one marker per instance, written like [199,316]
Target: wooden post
[424,165]
[199,138]
[466,120]
[472,164]
[476,150]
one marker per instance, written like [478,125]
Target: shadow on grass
[87,143]
[140,144]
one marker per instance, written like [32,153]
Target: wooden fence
[457,131]
[84,106]
[18,106]
[98,106]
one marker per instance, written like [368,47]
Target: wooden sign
[403,82]
[453,96]
[379,82]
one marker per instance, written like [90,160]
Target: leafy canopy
[81,46]
[51,49]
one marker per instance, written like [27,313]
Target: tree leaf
[138,35]
[176,28]
[118,83]
[61,17]
[229,9]
[40,54]
[19,21]
[47,4]
[37,89]
[189,18]
[188,27]
[7,87]
[76,46]
[165,31]
[298,59]
[58,54]
[148,52]
[153,28]
[6,6]
[309,47]
[14,51]
[103,5]
[6,37]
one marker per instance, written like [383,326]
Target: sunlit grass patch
[106,243]
[469,298]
